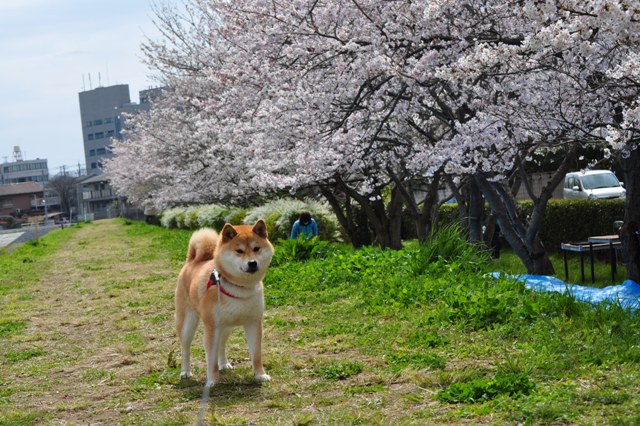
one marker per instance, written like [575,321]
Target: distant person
[495,243]
[305,225]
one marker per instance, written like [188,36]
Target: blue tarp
[626,294]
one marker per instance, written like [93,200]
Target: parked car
[593,184]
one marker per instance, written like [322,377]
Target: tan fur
[241,254]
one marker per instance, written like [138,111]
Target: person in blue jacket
[306,226]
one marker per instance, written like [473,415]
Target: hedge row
[279,216]
[564,220]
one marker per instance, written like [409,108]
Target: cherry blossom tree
[367,100]
[535,77]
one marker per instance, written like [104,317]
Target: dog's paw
[185,375]
[263,377]
[225,366]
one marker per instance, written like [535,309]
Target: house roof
[21,188]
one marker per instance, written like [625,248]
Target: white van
[593,184]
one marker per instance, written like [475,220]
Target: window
[604,180]
[97,122]
[90,136]
[101,151]
[94,165]
[89,123]
[110,133]
[92,152]
[99,135]
[108,120]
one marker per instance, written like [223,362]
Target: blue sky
[46,48]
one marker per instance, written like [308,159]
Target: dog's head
[244,253]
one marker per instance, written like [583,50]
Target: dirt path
[98,321]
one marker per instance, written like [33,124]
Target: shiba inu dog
[221,283]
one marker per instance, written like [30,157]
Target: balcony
[102,194]
[39,203]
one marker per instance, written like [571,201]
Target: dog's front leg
[253,331]
[211,347]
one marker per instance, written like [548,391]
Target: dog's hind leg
[186,324]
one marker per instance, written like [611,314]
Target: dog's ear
[228,233]
[260,229]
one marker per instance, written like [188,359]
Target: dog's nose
[252,266]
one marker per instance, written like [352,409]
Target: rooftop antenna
[99,80]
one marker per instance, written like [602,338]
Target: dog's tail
[202,245]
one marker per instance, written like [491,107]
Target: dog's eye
[256,249]
[239,251]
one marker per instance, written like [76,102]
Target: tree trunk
[386,224]
[425,216]
[630,232]
[476,211]
[386,220]
[394,217]
[525,243]
[354,223]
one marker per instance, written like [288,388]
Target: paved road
[14,236]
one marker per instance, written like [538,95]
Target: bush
[236,216]
[280,215]
[190,217]
[169,217]
[300,249]
[575,220]
[212,216]
[564,220]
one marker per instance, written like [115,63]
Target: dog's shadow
[234,385]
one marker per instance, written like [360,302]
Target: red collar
[214,279]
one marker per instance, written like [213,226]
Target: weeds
[300,249]
[486,388]
[339,370]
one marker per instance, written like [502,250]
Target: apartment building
[102,113]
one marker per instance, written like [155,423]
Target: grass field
[417,336]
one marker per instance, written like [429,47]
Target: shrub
[575,220]
[191,217]
[300,249]
[236,216]
[280,215]
[564,220]
[212,216]
[169,217]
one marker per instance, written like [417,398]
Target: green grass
[370,336]
[510,263]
